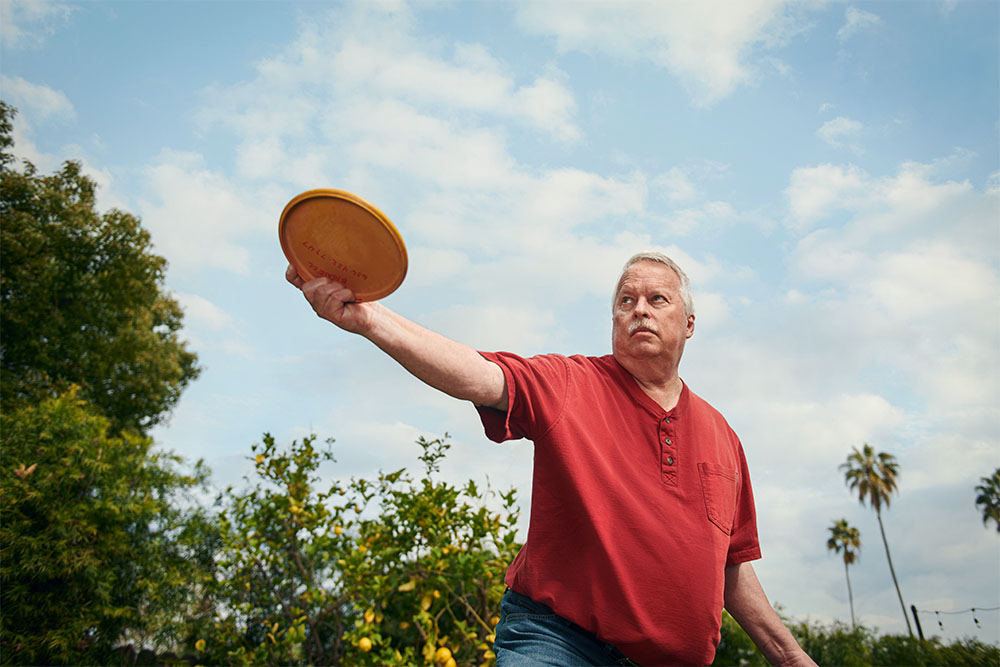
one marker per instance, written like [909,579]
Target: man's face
[649,319]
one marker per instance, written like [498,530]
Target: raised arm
[446,365]
[748,605]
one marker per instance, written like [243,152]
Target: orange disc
[339,235]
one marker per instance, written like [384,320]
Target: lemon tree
[390,570]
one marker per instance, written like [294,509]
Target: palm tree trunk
[892,571]
[850,596]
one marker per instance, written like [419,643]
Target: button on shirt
[635,511]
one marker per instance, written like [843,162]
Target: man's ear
[690,326]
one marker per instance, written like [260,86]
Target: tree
[95,548]
[988,499]
[846,538]
[873,476]
[82,300]
[390,571]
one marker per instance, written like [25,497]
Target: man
[642,519]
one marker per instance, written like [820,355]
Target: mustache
[649,325]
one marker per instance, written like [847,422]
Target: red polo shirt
[635,511]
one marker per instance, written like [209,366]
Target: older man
[642,518]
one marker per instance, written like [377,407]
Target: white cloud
[907,274]
[382,100]
[200,312]
[709,46]
[707,215]
[930,277]
[856,20]
[38,100]
[27,23]
[676,185]
[198,218]
[911,203]
[490,327]
[841,131]
[472,80]
[814,193]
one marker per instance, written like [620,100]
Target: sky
[827,173]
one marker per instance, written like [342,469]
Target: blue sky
[826,172]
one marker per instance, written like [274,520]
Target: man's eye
[626,300]
[659,297]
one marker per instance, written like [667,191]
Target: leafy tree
[988,499]
[835,645]
[94,547]
[390,571]
[846,538]
[873,476]
[82,299]
[735,646]
[840,645]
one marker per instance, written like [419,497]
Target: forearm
[442,363]
[748,605]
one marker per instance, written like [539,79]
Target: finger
[317,286]
[327,297]
[292,276]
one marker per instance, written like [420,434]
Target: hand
[334,302]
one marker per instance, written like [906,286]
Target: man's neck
[663,385]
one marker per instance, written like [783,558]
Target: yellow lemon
[365,644]
[199,645]
[443,655]
[337,530]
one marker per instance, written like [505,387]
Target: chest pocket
[718,485]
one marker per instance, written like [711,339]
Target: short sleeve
[743,544]
[536,396]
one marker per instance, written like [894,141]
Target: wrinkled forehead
[649,272]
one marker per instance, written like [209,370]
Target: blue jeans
[530,634]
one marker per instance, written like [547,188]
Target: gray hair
[660,258]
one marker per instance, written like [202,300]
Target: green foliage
[988,498]
[387,571]
[836,645]
[841,645]
[735,647]
[83,300]
[93,545]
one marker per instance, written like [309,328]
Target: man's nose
[641,308]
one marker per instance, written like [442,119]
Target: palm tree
[873,475]
[989,498]
[846,538]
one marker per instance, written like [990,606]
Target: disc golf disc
[339,235]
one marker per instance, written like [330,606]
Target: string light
[972,610]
